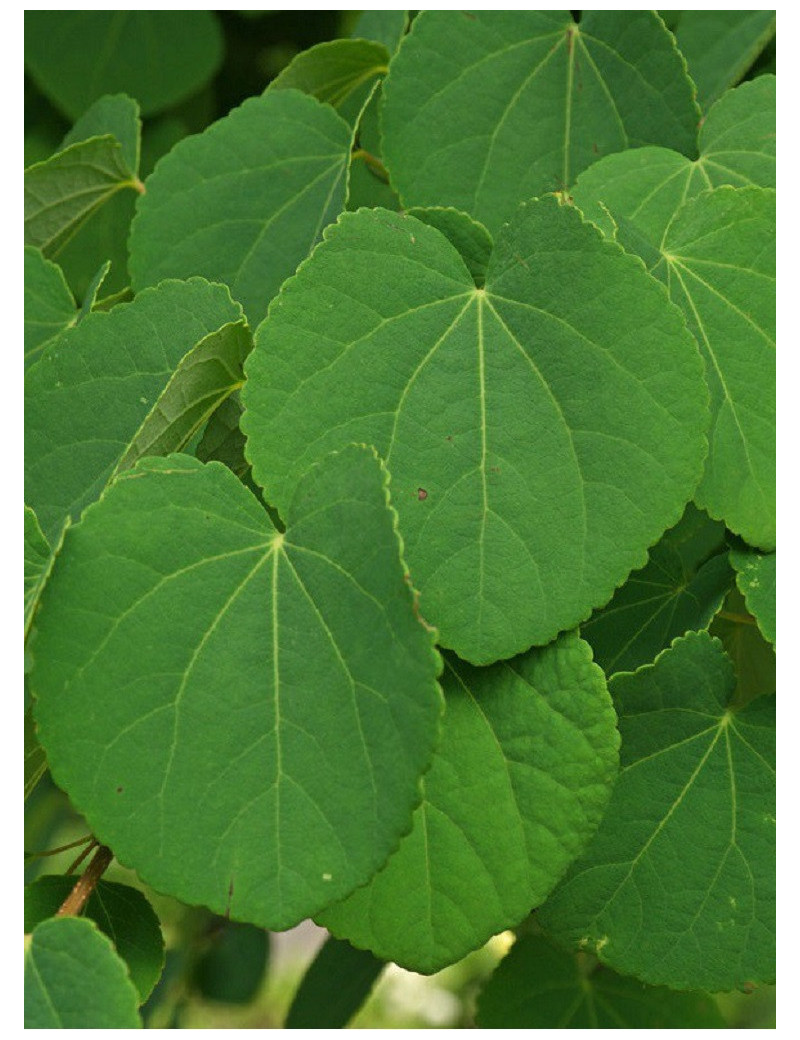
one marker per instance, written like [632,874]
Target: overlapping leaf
[753,657]
[242,715]
[526,490]
[104,386]
[485,109]
[75,980]
[49,306]
[537,986]
[334,987]
[245,201]
[37,563]
[231,968]
[518,784]
[387,27]
[115,114]
[678,885]
[755,576]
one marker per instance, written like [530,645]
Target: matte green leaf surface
[470,238]
[100,384]
[282,685]
[245,201]
[37,560]
[755,576]
[526,491]
[222,439]
[35,758]
[231,969]
[339,72]
[387,27]
[485,109]
[720,46]
[75,980]
[538,986]
[121,912]
[115,114]
[680,589]
[334,987]
[753,657]
[158,57]
[49,305]
[678,885]
[519,783]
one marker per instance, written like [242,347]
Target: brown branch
[85,884]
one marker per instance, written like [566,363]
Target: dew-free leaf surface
[470,239]
[755,577]
[282,685]
[35,758]
[519,782]
[231,969]
[245,201]
[121,912]
[75,980]
[525,492]
[100,384]
[37,560]
[115,114]
[485,109]
[537,986]
[339,72]
[49,305]
[335,985]
[387,27]
[158,57]
[752,655]
[678,885]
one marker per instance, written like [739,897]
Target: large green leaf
[281,684]
[537,986]
[245,201]
[100,385]
[518,784]
[158,57]
[484,109]
[526,490]
[75,980]
[755,576]
[678,885]
[720,46]
[334,987]
[121,912]
[679,590]
[49,305]
[115,114]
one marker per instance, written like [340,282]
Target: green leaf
[470,238]
[680,589]
[95,286]
[339,72]
[75,980]
[678,885]
[158,57]
[37,558]
[35,758]
[518,785]
[753,657]
[334,987]
[174,588]
[537,986]
[103,237]
[367,182]
[222,439]
[512,475]
[720,46]
[485,109]
[49,306]
[387,27]
[115,114]
[232,968]
[755,577]
[89,395]
[245,201]
[121,912]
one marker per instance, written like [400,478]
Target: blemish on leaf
[422,494]
[327,877]
[120,790]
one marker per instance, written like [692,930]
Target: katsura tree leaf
[245,201]
[37,560]
[49,305]
[537,986]
[387,27]
[753,657]
[678,885]
[720,46]
[470,239]
[103,237]
[95,285]
[115,114]
[519,782]
[35,758]
[525,492]
[485,109]
[94,388]
[755,577]
[222,440]
[680,589]
[335,985]
[175,588]
[121,912]
[231,969]
[639,191]
[368,182]
[75,980]
[339,72]
[158,57]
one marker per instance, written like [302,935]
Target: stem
[61,848]
[85,884]
[74,866]
[740,619]
[373,162]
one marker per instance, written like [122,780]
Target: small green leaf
[232,967]
[387,27]
[75,980]
[49,306]
[470,238]
[115,114]
[121,912]
[335,985]
[93,388]
[245,201]
[339,72]
[175,587]
[755,576]
[680,589]
[537,986]
[485,109]
[158,57]
[95,286]
[678,885]
[519,782]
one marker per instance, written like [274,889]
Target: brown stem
[81,857]
[85,884]
[61,848]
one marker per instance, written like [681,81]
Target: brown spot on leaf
[422,494]
[119,790]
